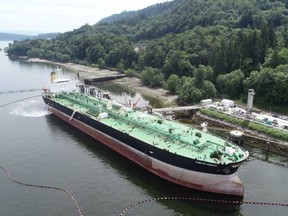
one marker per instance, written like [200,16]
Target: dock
[96,80]
[92,76]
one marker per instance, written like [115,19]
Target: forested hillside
[194,48]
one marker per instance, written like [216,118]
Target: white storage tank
[206,102]
[227,103]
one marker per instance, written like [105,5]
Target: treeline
[194,48]
[83,46]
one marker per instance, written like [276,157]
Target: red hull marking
[128,152]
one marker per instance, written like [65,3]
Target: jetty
[96,80]
[175,109]
[92,76]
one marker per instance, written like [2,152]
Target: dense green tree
[101,63]
[270,85]
[36,52]
[209,74]
[200,76]
[95,52]
[208,90]
[187,91]
[172,84]
[154,56]
[152,77]
[120,67]
[231,84]
[273,60]
[129,73]
[276,58]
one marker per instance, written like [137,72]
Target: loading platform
[175,109]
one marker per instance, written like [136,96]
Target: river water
[37,148]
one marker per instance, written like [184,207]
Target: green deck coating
[167,135]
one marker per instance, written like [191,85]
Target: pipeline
[16,101]
[201,200]
[20,91]
[45,187]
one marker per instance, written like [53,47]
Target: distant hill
[11,37]
[134,16]
[179,16]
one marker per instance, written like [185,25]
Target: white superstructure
[59,83]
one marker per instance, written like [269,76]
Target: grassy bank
[273,132]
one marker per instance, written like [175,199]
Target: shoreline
[77,68]
[133,83]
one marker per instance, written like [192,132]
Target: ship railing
[79,100]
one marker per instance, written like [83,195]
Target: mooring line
[18,100]
[45,187]
[201,200]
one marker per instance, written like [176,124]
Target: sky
[44,16]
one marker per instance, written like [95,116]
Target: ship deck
[167,135]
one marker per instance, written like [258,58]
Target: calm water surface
[38,148]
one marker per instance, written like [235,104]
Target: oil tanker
[171,150]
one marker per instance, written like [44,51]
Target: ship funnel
[53,76]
